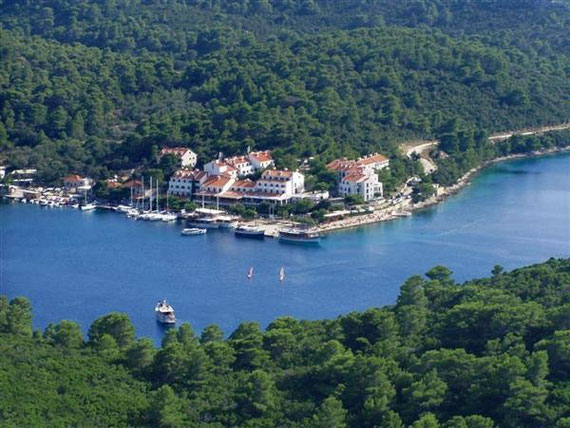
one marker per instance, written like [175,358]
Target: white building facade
[187,157]
[360,177]
[186,182]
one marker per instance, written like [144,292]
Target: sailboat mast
[157,209]
[151,190]
[142,188]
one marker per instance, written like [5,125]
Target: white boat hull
[204,225]
[193,231]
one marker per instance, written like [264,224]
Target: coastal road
[542,130]
[421,147]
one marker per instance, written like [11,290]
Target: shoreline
[407,208]
[404,208]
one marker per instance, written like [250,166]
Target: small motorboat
[282,274]
[164,313]
[250,273]
[190,231]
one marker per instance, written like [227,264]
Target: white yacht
[166,217]
[164,313]
[88,207]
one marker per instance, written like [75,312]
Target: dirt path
[422,148]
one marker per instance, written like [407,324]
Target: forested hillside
[93,86]
[487,353]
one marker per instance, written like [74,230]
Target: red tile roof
[243,183]
[176,151]
[356,177]
[237,160]
[113,184]
[222,163]
[133,183]
[74,178]
[262,156]
[375,158]
[186,174]
[341,164]
[275,173]
[217,181]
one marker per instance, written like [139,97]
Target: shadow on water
[510,171]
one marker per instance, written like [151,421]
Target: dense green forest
[95,86]
[486,353]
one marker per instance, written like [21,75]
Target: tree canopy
[486,353]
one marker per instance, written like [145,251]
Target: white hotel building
[220,182]
[359,177]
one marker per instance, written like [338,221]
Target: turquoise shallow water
[80,265]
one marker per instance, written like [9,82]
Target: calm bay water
[80,265]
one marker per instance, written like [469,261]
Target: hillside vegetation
[487,353]
[96,86]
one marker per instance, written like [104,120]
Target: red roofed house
[261,160]
[221,167]
[361,182]
[217,184]
[135,185]
[75,183]
[375,161]
[186,156]
[359,177]
[242,164]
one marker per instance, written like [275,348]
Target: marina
[87,256]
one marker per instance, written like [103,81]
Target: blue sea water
[81,265]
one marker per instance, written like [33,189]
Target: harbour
[95,262]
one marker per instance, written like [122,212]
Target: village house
[186,182]
[222,181]
[220,167]
[359,177]
[75,183]
[186,156]
[360,183]
[261,160]
[240,165]
[113,183]
[135,186]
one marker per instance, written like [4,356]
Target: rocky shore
[406,207]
